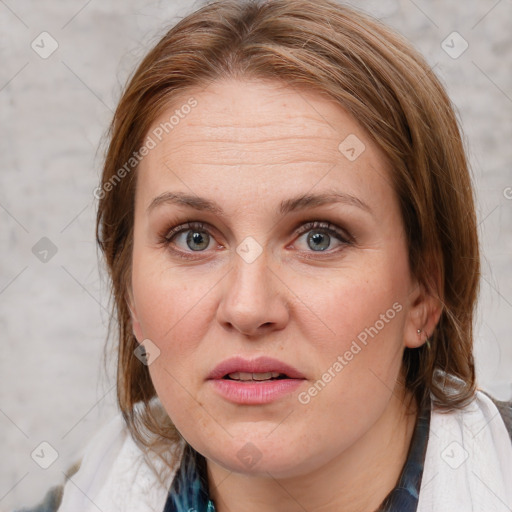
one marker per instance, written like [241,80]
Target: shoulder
[487,414]
[505,411]
[115,474]
[483,407]
[53,497]
[50,503]
[469,450]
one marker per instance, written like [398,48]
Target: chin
[259,458]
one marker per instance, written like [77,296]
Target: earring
[427,341]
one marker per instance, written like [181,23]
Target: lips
[239,367]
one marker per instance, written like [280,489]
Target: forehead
[259,136]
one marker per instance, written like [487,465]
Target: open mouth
[255,377]
[256,382]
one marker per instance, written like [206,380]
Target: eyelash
[166,237]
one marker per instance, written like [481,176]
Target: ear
[137,329]
[424,312]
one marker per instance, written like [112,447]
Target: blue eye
[319,240]
[195,237]
[320,234]
[196,240]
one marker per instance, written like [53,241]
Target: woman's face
[289,244]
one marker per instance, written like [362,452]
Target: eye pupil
[197,237]
[317,238]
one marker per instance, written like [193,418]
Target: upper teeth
[253,376]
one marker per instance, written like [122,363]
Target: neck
[358,479]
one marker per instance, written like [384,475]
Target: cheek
[174,311]
[357,332]
[353,304]
[169,301]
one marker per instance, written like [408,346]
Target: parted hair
[387,86]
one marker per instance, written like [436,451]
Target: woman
[288,221]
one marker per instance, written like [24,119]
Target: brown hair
[392,92]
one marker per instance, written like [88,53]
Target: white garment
[468,467]
[468,464]
[114,477]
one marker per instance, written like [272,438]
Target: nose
[254,300]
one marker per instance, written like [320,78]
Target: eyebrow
[287,206]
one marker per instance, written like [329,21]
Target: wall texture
[63,65]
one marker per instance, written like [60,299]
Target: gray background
[54,113]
